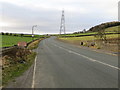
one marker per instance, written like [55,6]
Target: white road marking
[61,47]
[54,45]
[33,82]
[93,60]
[108,65]
[70,51]
[84,56]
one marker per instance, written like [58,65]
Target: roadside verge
[16,61]
[93,48]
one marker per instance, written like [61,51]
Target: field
[87,38]
[111,44]
[13,40]
[73,35]
[107,30]
[113,29]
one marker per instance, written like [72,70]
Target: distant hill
[104,26]
[113,29]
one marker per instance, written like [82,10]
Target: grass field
[13,40]
[111,45]
[73,35]
[87,38]
[107,30]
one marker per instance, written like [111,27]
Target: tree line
[11,34]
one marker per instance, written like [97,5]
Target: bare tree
[101,35]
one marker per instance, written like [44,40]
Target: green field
[13,40]
[107,30]
[73,35]
[87,38]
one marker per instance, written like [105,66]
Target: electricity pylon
[62,25]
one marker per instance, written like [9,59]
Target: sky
[18,16]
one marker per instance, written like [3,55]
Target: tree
[7,33]
[84,30]
[10,34]
[101,35]
[21,34]
[2,33]
[15,34]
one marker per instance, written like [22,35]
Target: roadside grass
[91,41]
[17,61]
[15,70]
[13,40]
[0,77]
[34,44]
[0,40]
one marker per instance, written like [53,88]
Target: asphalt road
[62,65]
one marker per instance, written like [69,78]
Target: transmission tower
[62,26]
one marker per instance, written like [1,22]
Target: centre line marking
[93,60]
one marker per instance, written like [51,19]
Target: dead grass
[34,44]
[17,60]
[110,45]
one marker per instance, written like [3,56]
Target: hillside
[110,30]
[113,29]
[103,26]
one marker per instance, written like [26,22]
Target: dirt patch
[15,55]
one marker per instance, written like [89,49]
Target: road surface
[61,65]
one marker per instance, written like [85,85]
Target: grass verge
[91,41]
[34,44]
[16,69]
[17,61]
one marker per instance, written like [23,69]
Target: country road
[60,65]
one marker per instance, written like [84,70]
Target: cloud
[21,15]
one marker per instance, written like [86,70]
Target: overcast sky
[18,16]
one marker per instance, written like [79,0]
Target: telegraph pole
[62,25]
[33,31]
